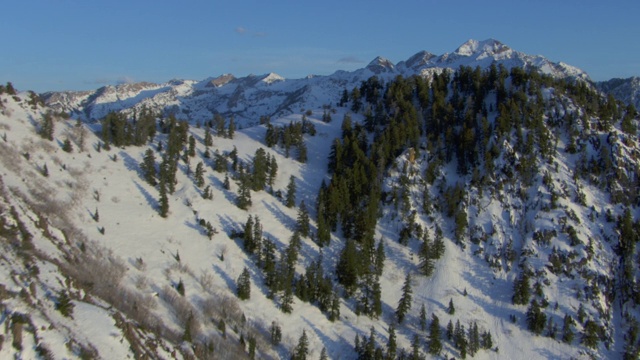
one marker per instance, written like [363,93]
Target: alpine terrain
[483,203]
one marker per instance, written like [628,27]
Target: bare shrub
[206,281]
[141,282]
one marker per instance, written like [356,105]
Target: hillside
[336,215]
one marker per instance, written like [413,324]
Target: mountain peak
[380,64]
[489,47]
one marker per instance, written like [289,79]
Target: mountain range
[247,98]
[478,204]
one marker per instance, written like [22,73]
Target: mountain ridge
[243,99]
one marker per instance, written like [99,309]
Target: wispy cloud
[350,60]
[241,30]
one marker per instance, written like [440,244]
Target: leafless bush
[182,309]
[206,281]
[141,282]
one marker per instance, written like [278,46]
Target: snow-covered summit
[380,64]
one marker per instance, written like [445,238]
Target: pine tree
[164,199]
[248,241]
[392,346]
[291,193]
[521,290]
[276,333]
[287,300]
[590,335]
[66,146]
[148,167]
[567,331]
[243,285]
[423,318]
[347,268]
[536,319]
[303,220]
[199,175]
[435,344]
[192,146]
[208,139]
[415,348]
[232,128]
[426,256]
[460,339]
[487,341]
[450,330]
[323,354]
[64,305]
[301,350]
[405,300]
[451,309]
[474,339]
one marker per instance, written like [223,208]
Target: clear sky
[84,44]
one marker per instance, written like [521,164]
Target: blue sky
[80,44]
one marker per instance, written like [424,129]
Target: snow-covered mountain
[625,90]
[506,202]
[248,98]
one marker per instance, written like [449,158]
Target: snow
[134,230]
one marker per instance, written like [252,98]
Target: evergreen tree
[323,354]
[248,241]
[536,319]
[450,330]
[487,341]
[415,348]
[208,139]
[423,318]
[302,225]
[451,309]
[405,300]
[347,268]
[276,333]
[66,146]
[301,350]
[426,256]
[302,152]
[192,146]
[164,199]
[287,300]
[64,305]
[460,339]
[232,128]
[591,334]
[435,344]
[243,285]
[521,290]
[291,192]
[243,201]
[392,346]
[474,339]
[148,167]
[47,126]
[199,175]
[567,331]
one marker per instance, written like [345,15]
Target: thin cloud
[240,30]
[109,81]
[350,60]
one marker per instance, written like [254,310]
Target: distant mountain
[248,98]
[625,90]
